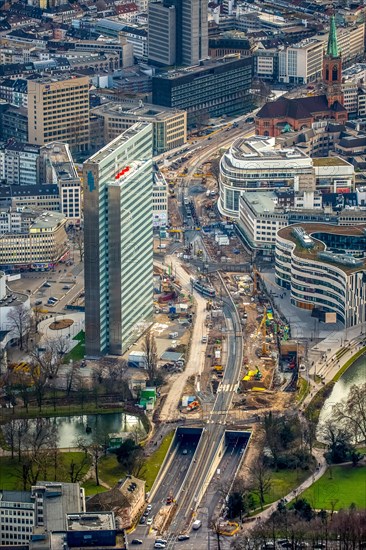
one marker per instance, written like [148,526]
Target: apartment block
[58,110]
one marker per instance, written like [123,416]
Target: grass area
[110,471]
[91,488]
[154,462]
[316,404]
[10,470]
[303,390]
[347,485]
[78,352]
[349,363]
[282,483]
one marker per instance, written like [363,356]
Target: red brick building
[285,114]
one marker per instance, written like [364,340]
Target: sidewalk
[265,515]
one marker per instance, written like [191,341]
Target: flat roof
[90,521]
[113,145]
[146,110]
[319,246]
[261,201]
[330,161]
[47,220]
[203,66]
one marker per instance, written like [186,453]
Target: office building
[214,88]
[118,242]
[178,32]
[58,110]
[91,529]
[323,266]
[301,63]
[13,123]
[57,167]
[33,240]
[256,164]
[19,163]
[162,34]
[44,506]
[160,201]
[169,125]
[34,197]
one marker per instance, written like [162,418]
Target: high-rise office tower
[118,241]
[58,110]
[190,18]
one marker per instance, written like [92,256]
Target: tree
[129,455]
[37,317]
[151,355]
[215,169]
[77,468]
[215,526]
[79,242]
[351,412]
[38,376]
[72,378]
[19,323]
[49,358]
[261,478]
[338,440]
[95,450]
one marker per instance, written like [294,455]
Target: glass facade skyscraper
[118,242]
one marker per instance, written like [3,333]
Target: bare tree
[149,347]
[77,468]
[19,323]
[37,317]
[79,242]
[95,450]
[72,378]
[38,375]
[215,169]
[3,360]
[51,356]
[215,527]
[351,412]
[261,478]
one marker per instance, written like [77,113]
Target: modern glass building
[118,242]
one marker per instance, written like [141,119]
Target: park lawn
[78,352]
[110,471]
[154,462]
[10,472]
[282,483]
[346,486]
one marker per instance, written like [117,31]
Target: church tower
[332,68]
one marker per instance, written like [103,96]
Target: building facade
[301,63]
[323,266]
[212,89]
[256,164]
[118,242]
[161,34]
[58,110]
[19,163]
[41,243]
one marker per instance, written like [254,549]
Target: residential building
[14,91]
[256,164]
[19,163]
[14,123]
[323,266]
[118,241]
[211,89]
[91,529]
[333,175]
[40,244]
[135,35]
[228,43]
[57,167]
[58,110]
[300,63]
[169,125]
[45,506]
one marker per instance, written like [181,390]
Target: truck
[196,524]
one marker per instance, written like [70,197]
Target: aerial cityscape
[182,274]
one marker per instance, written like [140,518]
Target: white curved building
[324,267]
[257,164]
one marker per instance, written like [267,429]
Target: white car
[159,545]
[148,507]
[149,521]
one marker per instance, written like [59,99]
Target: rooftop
[112,146]
[329,161]
[319,247]
[149,111]
[203,66]
[48,220]
[261,202]
[99,521]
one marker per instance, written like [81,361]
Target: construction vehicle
[258,375]
[193,406]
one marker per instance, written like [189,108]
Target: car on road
[146,513]
[185,452]
[162,541]
[149,521]
[136,541]
[183,537]
[148,507]
[47,285]
[159,545]
[66,287]
[142,520]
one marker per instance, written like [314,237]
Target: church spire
[332,49]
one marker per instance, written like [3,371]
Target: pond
[355,374]
[70,428]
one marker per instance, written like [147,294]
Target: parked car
[183,537]
[136,541]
